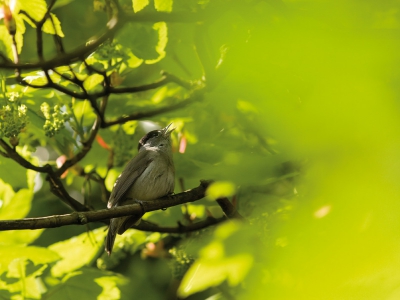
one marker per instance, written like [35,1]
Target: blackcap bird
[148,176]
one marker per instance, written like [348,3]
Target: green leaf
[77,252]
[112,178]
[220,189]
[14,174]
[219,261]
[142,39]
[163,5]
[84,113]
[61,3]
[34,8]
[19,36]
[207,273]
[19,205]
[89,284]
[16,206]
[162,30]
[51,28]
[138,5]
[7,40]
[21,278]
[159,95]
[93,81]
[37,255]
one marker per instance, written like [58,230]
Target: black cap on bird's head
[160,134]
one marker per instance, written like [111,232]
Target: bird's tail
[119,225]
[111,235]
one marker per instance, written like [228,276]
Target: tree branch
[58,189]
[113,26]
[82,218]
[228,209]
[141,115]
[11,153]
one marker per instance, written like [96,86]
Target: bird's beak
[167,131]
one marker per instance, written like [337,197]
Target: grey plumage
[148,176]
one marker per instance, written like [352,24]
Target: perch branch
[81,218]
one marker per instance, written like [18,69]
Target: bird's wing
[128,177]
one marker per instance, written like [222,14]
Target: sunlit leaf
[138,5]
[35,8]
[162,29]
[17,206]
[93,81]
[53,26]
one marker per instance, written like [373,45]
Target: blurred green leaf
[218,261]
[77,252]
[220,189]
[16,206]
[61,3]
[299,119]
[162,29]
[142,39]
[37,255]
[88,283]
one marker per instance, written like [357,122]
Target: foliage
[289,106]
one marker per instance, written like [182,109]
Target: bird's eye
[161,145]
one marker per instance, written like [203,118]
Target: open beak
[166,131]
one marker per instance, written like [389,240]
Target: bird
[148,176]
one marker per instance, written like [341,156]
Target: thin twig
[148,114]
[87,145]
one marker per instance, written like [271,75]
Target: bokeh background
[299,123]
